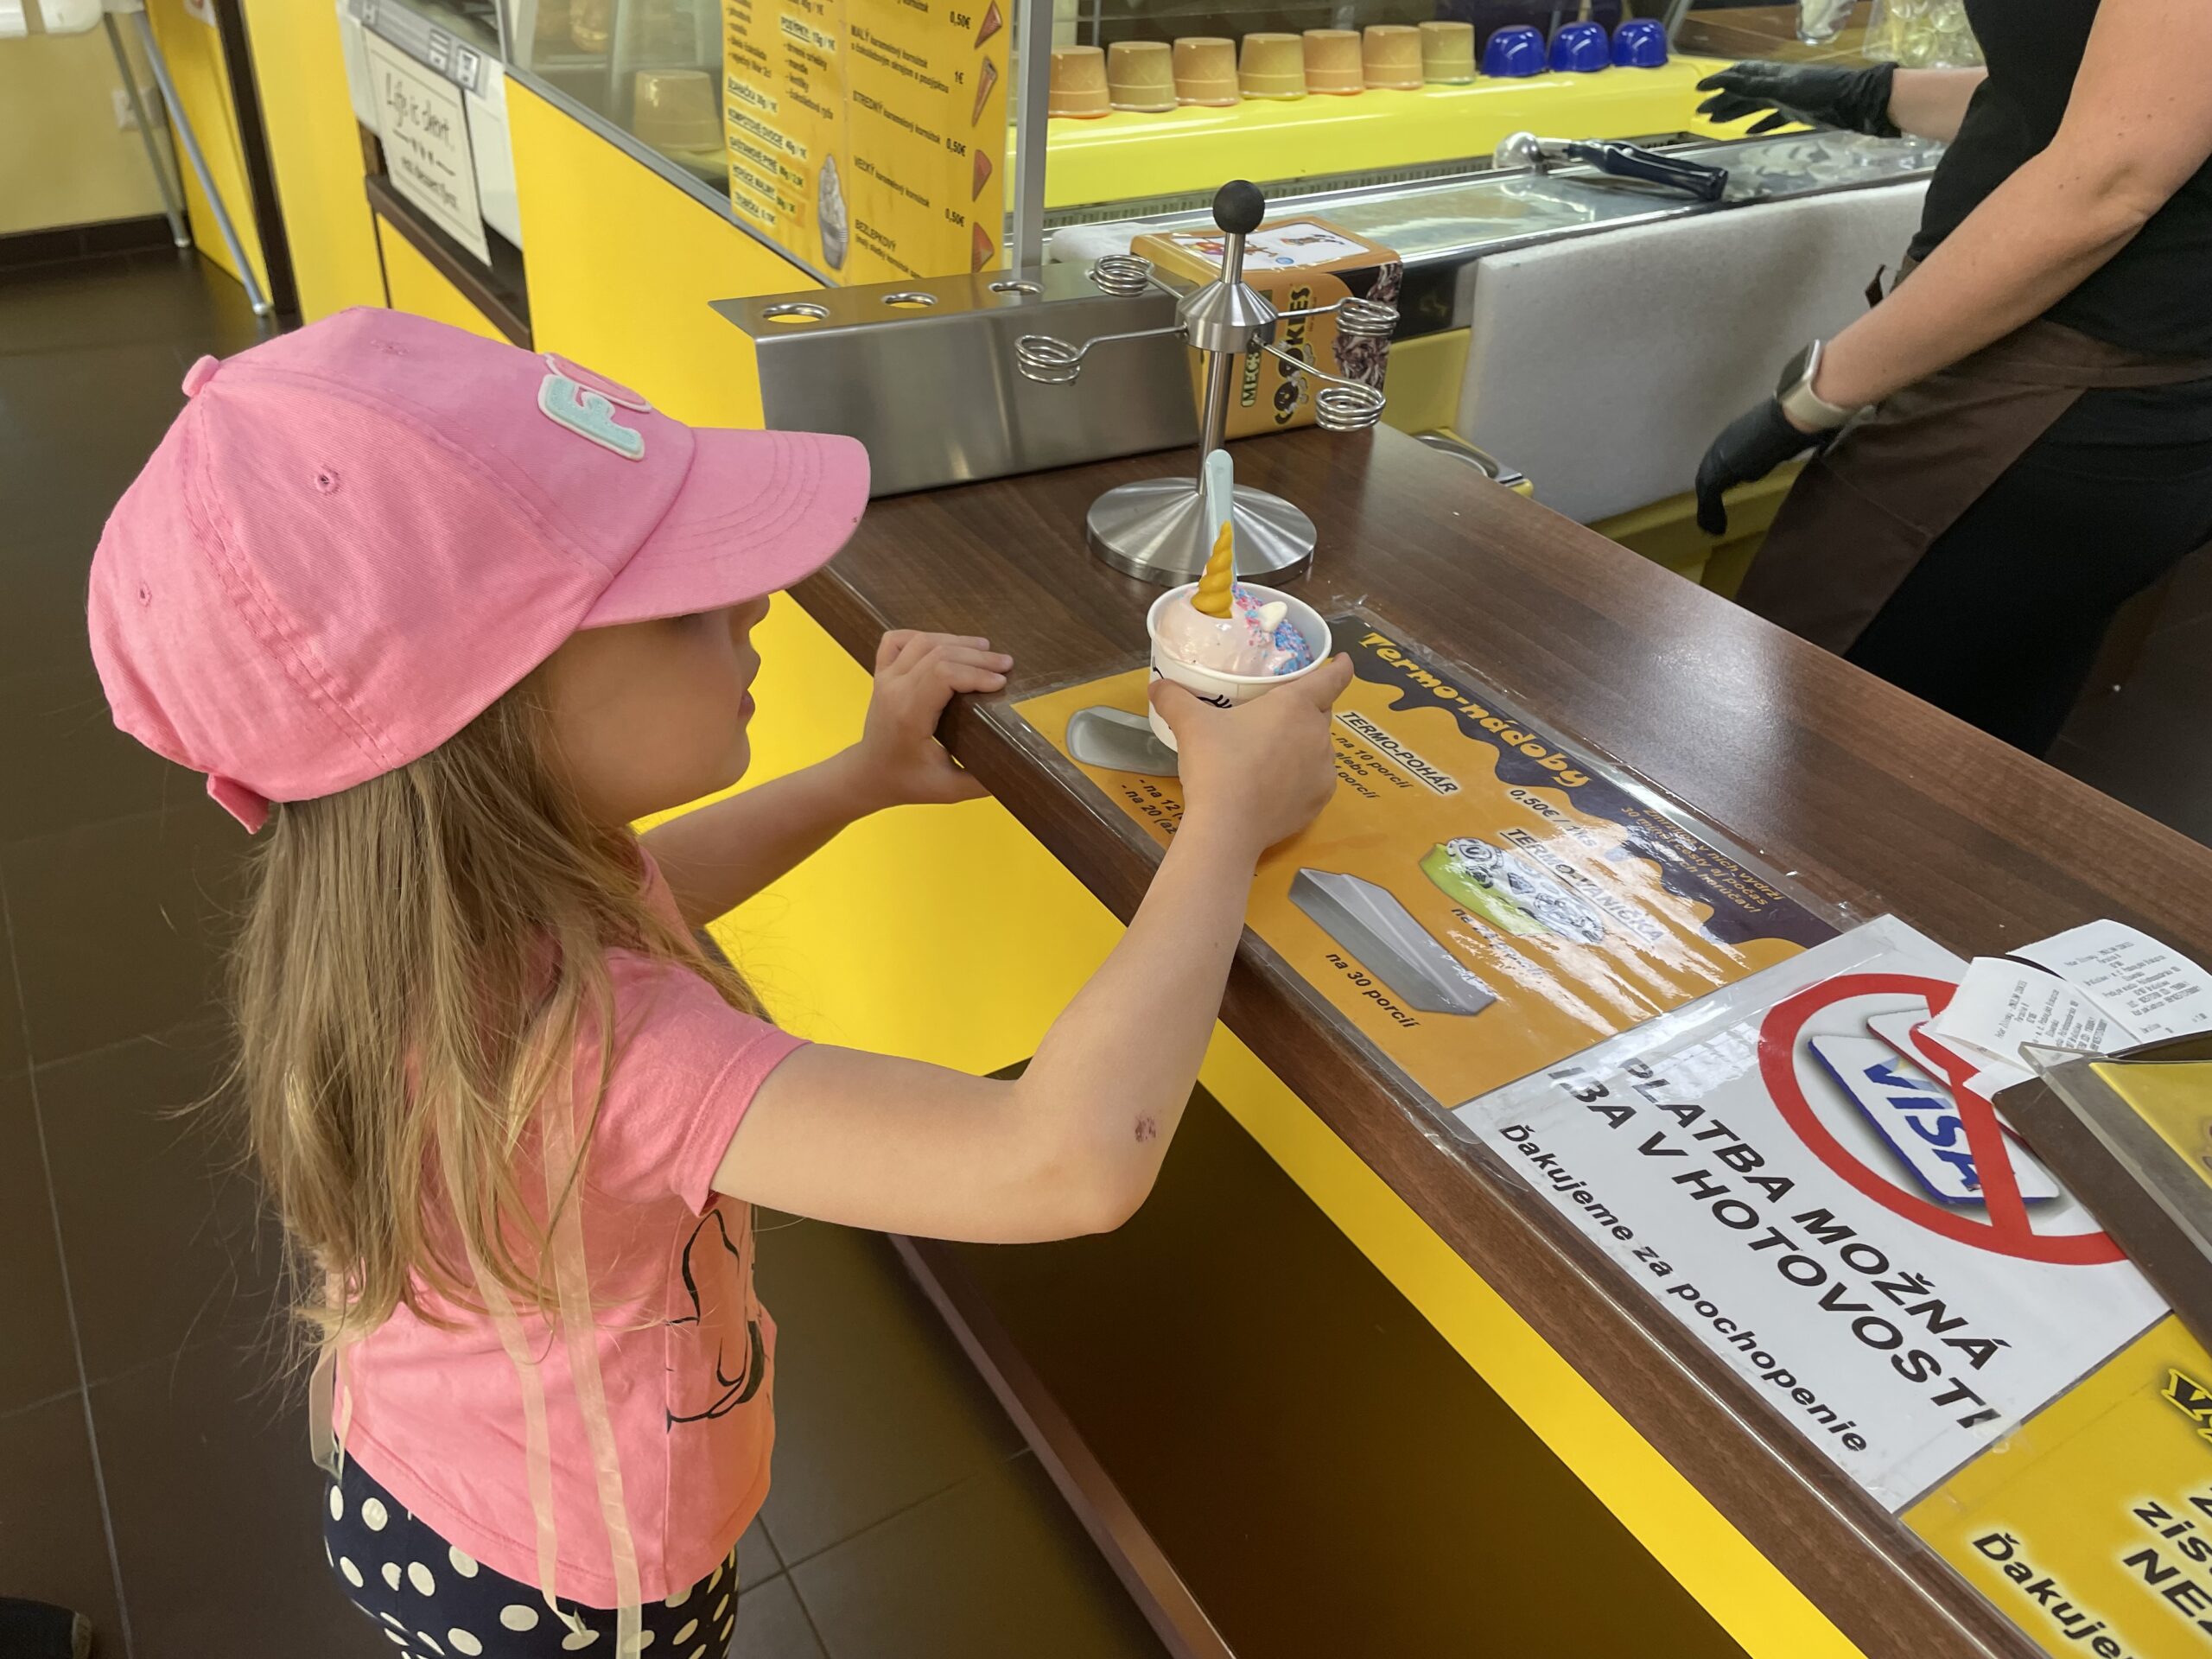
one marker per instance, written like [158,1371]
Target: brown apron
[1862,513]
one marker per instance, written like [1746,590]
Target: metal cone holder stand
[1158,530]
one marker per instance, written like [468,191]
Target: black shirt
[2155,295]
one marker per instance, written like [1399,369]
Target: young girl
[447,617]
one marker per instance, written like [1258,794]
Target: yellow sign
[2174,1099]
[868,137]
[2090,1527]
[1482,897]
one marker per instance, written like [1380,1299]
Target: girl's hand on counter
[1262,770]
[898,762]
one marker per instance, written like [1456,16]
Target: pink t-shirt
[686,1352]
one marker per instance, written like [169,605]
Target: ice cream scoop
[1268,640]
[1256,637]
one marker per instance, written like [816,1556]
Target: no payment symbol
[2008,1231]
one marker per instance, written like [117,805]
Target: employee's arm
[1930,103]
[2138,127]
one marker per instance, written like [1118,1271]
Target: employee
[2019,438]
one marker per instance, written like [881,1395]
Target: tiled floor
[153,1455]
[153,1465]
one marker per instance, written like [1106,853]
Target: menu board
[868,137]
[1483,896]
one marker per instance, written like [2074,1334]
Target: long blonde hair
[422,954]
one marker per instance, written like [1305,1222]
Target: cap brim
[758,512]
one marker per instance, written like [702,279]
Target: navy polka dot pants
[432,1602]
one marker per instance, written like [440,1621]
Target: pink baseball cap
[356,537]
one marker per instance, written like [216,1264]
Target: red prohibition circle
[2007,1231]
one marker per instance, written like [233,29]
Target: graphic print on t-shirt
[723,1393]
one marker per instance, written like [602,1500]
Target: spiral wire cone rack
[1157,530]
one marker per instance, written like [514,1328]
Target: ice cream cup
[1227,691]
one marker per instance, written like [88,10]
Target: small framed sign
[425,126]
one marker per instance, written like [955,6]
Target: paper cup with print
[1227,691]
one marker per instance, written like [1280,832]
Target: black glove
[1748,447]
[1817,94]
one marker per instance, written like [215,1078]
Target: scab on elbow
[1086,1178]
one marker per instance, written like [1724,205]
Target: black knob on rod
[1238,208]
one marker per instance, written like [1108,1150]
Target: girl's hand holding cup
[1263,770]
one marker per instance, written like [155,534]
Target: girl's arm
[719,856]
[1931,103]
[2137,126]
[1073,1144]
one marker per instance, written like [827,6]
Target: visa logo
[1916,1117]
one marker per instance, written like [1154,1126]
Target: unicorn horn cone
[1212,598]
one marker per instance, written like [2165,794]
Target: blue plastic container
[1580,49]
[1513,52]
[1640,43]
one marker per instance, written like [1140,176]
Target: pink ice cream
[1252,638]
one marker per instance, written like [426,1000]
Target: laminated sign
[2091,1529]
[868,137]
[1789,1170]
[1805,1178]
[1484,896]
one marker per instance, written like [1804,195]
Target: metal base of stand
[1157,531]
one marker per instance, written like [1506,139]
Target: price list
[869,136]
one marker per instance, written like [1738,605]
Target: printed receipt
[2001,1005]
[2134,981]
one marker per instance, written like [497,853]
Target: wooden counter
[1875,800]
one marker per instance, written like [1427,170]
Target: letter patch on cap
[588,414]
